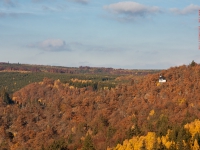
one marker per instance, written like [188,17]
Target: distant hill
[16,76]
[16,67]
[51,114]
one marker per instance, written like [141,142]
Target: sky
[130,34]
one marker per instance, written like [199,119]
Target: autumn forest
[88,108]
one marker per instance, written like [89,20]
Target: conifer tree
[5,96]
[88,144]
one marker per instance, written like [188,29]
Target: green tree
[5,96]
[185,135]
[88,144]
[197,137]
[162,125]
[58,145]
[193,63]
[161,146]
[110,132]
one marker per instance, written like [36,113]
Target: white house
[162,79]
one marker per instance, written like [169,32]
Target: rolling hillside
[54,115]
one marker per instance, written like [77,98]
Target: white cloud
[37,0]
[131,10]
[13,14]
[77,1]
[187,10]
[2,14]
[81,1]
[53,45]
[8,2]
[53,9]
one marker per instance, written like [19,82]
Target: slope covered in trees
[52,115]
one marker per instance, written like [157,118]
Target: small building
[162,79]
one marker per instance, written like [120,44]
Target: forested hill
[16,67]
[49,115]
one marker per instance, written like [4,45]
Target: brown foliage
[48,111]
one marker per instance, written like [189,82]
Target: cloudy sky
[139,34]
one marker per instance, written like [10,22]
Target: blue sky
[139,34]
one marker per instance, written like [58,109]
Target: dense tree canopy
[142,113]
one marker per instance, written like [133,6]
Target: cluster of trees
[185,137]
[93,85]
[14,81]
[50,114]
